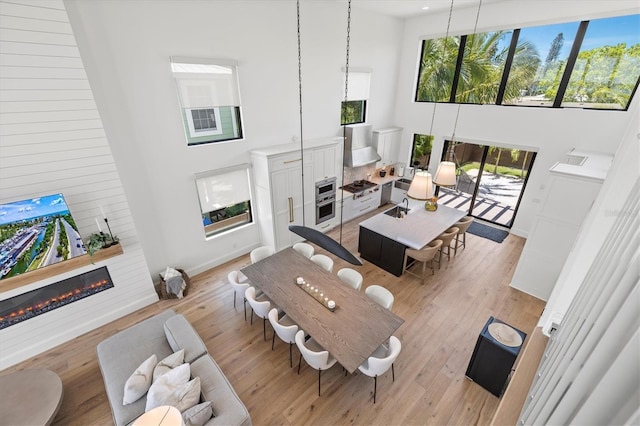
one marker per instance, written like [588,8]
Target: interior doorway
[490,180]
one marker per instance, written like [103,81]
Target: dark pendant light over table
[311,234]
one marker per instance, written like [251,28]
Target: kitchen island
[384,238]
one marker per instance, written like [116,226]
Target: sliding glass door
[490,181]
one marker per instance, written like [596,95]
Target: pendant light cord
[444,52]
[346,93]
[455,124]
[300,98]
[311,234]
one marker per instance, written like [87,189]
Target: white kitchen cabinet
[279,190]
[387,143]
[279,203]
[397,195]
[347,208]
[327,162]
[365,204]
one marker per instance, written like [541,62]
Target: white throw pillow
[170,273]
[139,382]
[198,415]
[186,396]
[167,364]
[162,389]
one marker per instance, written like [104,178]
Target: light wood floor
[442,321]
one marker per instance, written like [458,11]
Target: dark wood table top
[351,333]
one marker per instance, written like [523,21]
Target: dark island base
[381,251]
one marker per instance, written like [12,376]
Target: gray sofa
[163,334]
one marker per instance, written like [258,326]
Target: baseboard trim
[220,260]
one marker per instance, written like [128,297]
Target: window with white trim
[354,109]
[209,99]
[225,199]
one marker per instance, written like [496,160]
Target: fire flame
[59,298]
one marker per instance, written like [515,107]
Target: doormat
[489,232]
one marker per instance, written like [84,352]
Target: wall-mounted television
[35,233]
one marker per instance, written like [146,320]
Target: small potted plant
[99,241]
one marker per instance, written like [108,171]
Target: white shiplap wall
[52,141]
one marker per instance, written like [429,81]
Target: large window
[437,69]
[490,180]
[421,151]
[606,70]
[209,99]
[534,81]
[589,64]
[225,199]
[482,66]
[354,109]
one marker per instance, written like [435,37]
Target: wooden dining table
[351,332]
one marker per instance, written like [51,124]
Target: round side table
[164,415]
[30,397]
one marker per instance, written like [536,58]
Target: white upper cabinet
[387,143]
[327,161]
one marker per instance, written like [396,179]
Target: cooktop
[359,185]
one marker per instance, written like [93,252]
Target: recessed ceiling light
[425,8]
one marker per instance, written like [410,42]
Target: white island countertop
[418,228]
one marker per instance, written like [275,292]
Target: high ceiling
[410,8]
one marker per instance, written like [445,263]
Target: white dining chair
[314,355]
[286,330]
[239,285]
[380,295]
[304,249]
[325,262]
[379,363]
[260,307]
[351,277]
[260,253]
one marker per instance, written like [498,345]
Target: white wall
[552,132]
[52,141]
[126,47]
[606,210]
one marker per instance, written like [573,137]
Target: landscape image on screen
[35,233]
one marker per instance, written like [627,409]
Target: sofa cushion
[167,364]
[227,407]
[182,397]
[187,395]
[139,382]
[198,414]
[162,390]
[122,353]
[181,335]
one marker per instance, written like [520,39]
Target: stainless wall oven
[325,187]
[325,200]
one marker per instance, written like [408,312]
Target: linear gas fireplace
[36,302]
